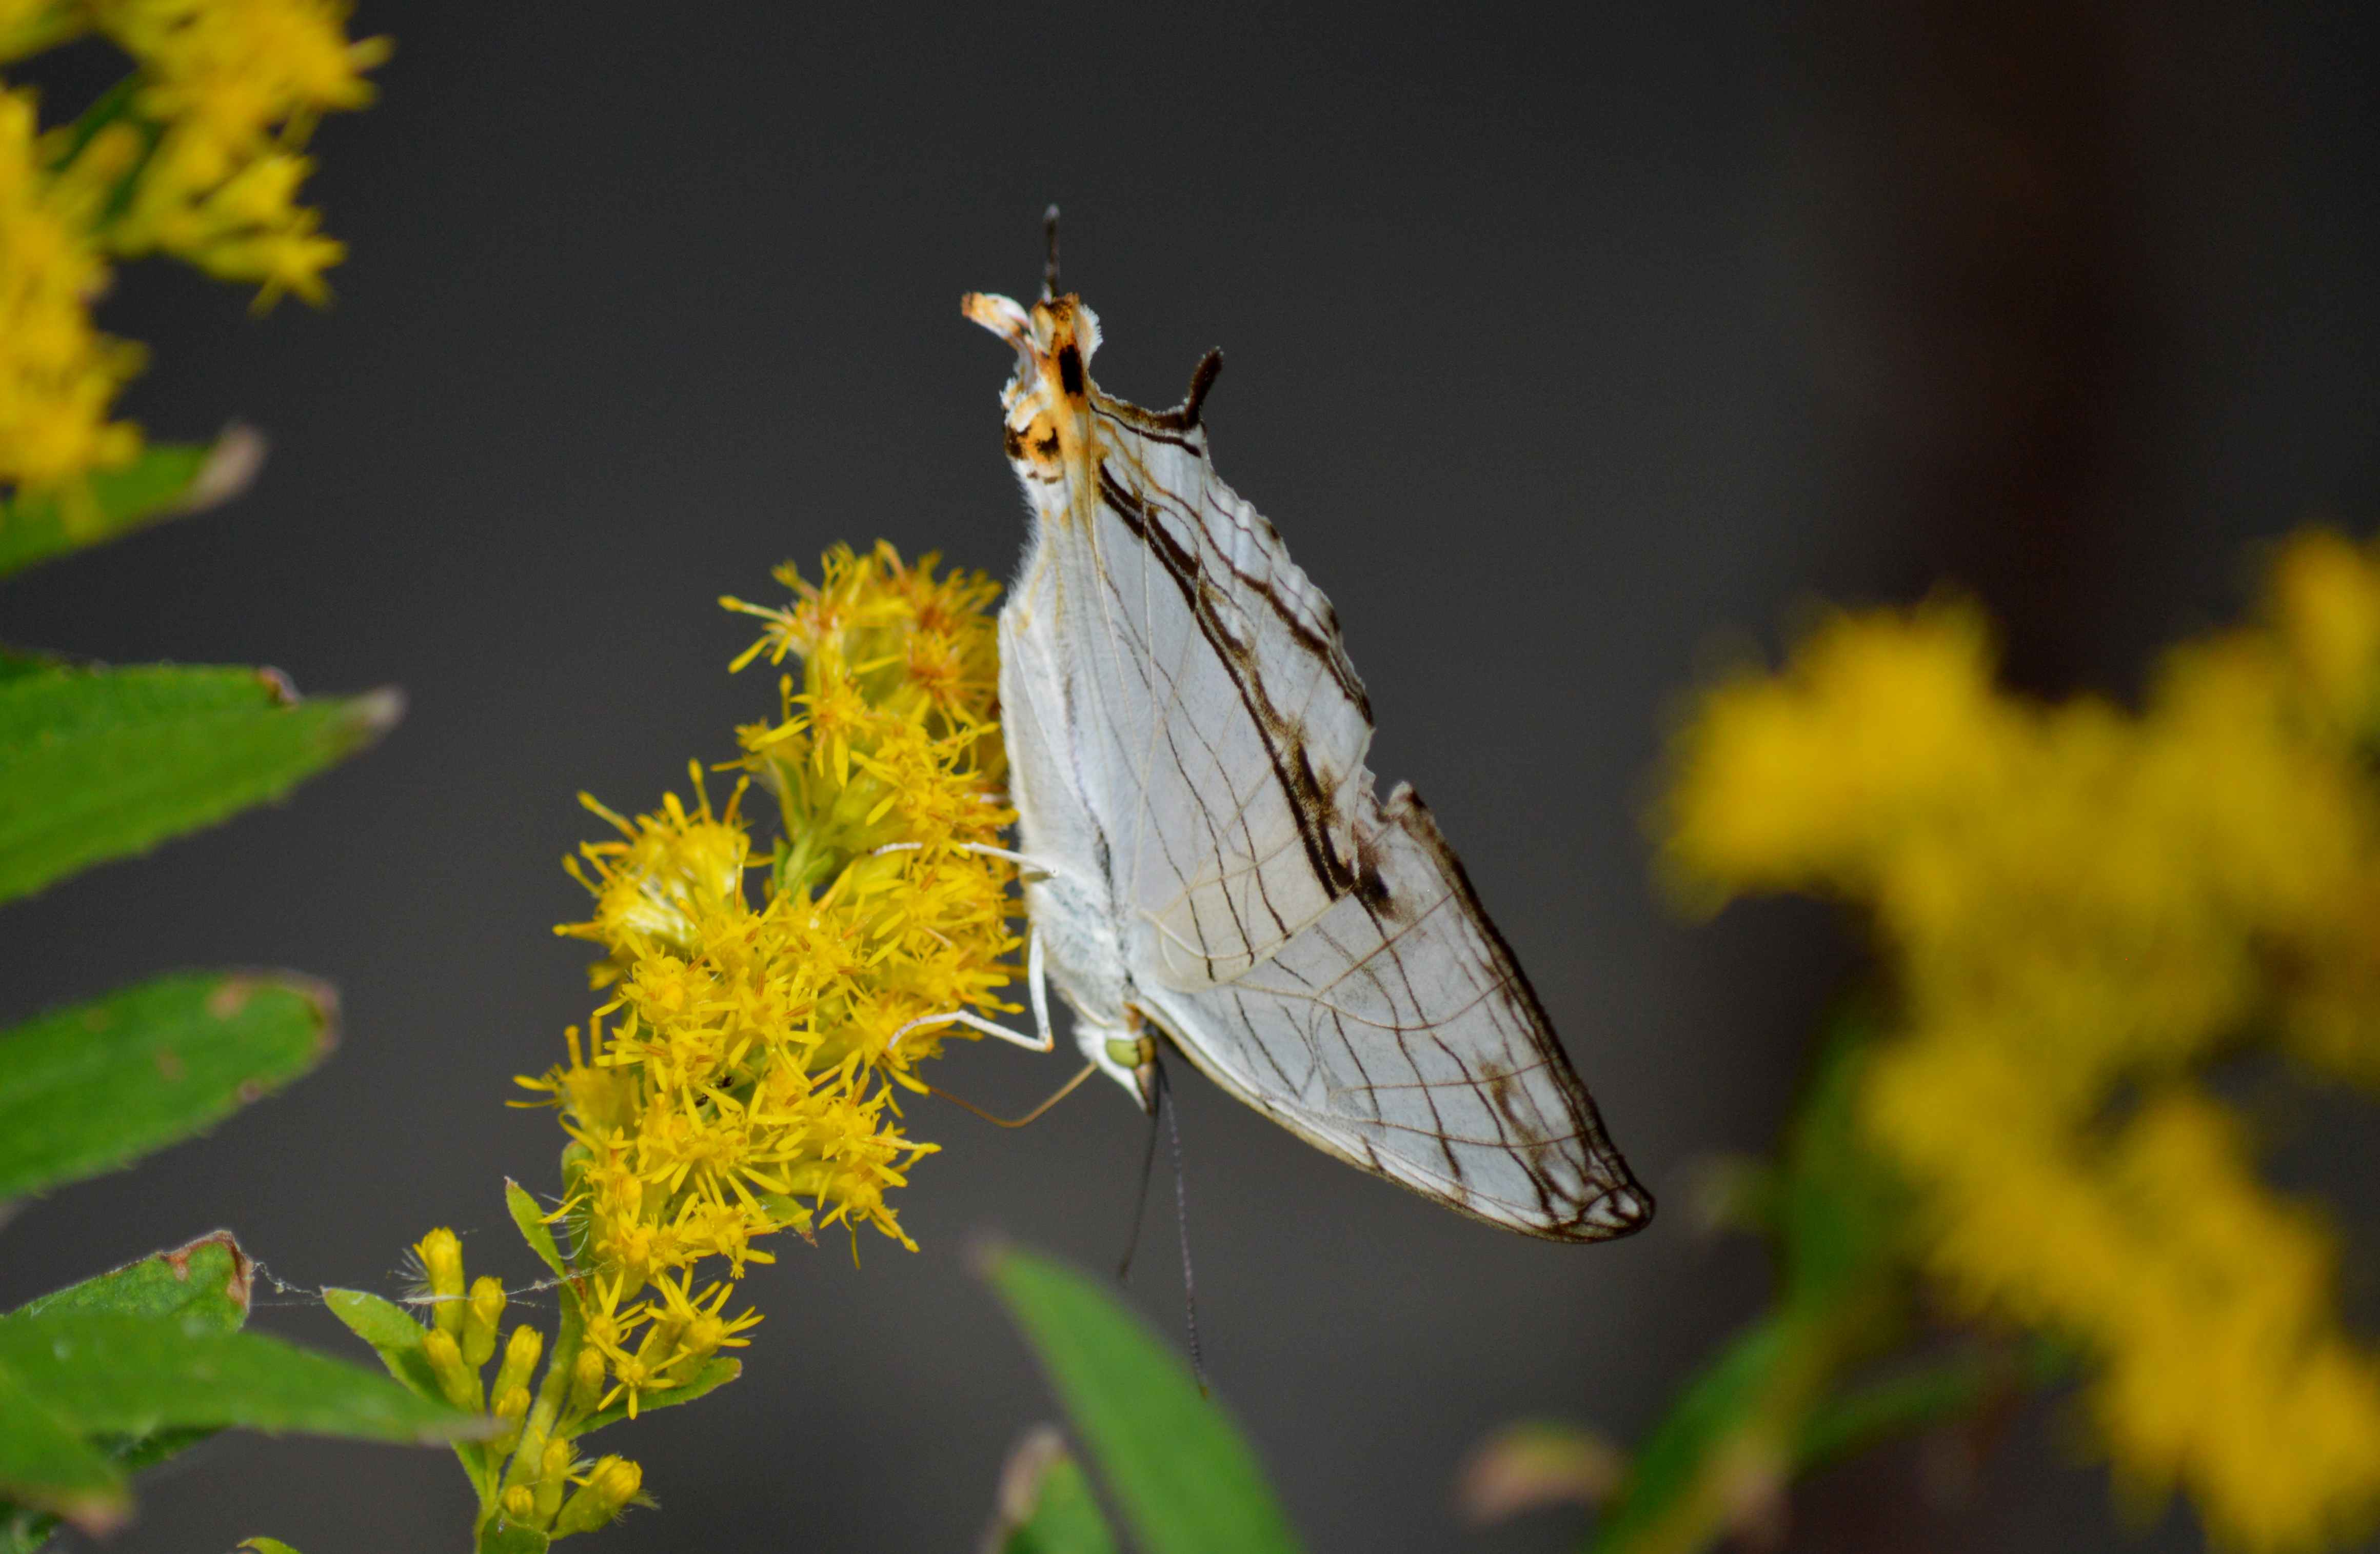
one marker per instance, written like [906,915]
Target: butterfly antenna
[1049,266]
[1172,1108]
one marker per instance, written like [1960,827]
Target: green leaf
[1046,1505]
[1185,1478]
[1671,1481]
[23,1529]
[395,1336]
[533,1228]
[508,1537]
[716,1372]
[96,764]
[134,1375]
[93,1086]
[206,1281]
[207,1278]
[1840,1204]
[264,1545]
[166,481]
[46,1465]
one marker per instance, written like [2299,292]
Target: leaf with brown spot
[93,1087]
[98,763]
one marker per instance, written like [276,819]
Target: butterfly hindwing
[1398,1032]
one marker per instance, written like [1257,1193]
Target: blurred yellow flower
[59,375]
[198,155]
[740,1080]
[31,26]
[2082,907]
[236,87]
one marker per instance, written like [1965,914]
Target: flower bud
[442,1264]
[511,1407]
[457,1381]
[612,1482]
[521,1502]
[520,1359]
[586,1382]
[552,1478]
[481,1314]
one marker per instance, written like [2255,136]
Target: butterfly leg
[1034,866]
[975,1022]
[1037,985]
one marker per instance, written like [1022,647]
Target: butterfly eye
[1038,440]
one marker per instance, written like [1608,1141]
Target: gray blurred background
[1568,356]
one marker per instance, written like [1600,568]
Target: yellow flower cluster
[529,1474]
[198,154]
[2082,907]
[741,1078]
[231,90]
[58,374]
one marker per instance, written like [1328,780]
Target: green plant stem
[552,1393]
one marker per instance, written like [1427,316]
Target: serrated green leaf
[530,1219]
[97,763]
[165,482]
[207,1278]
[1046,1504]
[134,1375]
[1183,1474]
[93,1086]
[206,1281]
[716,1372]
[46,1465]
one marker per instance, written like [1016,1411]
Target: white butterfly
[1206,854]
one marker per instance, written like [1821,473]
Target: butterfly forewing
[1236,730]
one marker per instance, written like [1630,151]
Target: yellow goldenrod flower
[199,155]
[2082,907]
[763,1010]
[31,26]
[237,86]
[59,375]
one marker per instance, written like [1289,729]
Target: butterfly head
[1048,400]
